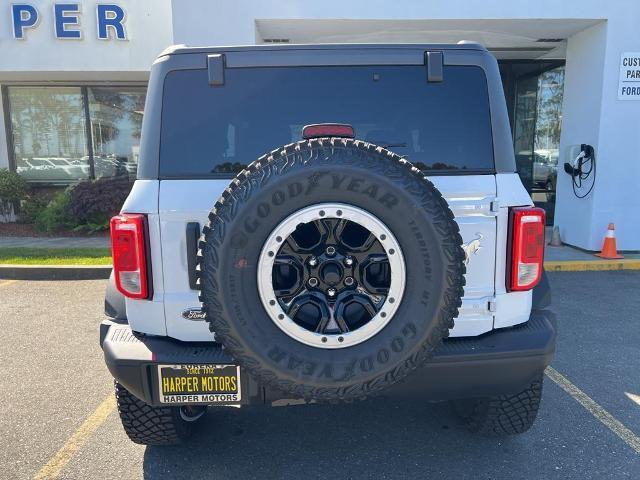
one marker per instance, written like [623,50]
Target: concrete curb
[98,272]
[591,265]
[54,272]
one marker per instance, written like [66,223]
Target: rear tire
[501,415]
[149,425]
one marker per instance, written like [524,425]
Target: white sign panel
[629,83]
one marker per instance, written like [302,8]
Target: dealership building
[73,77]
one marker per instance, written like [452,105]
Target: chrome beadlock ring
[388,307]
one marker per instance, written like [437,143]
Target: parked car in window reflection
[111,165]
[53,169]
[545,168]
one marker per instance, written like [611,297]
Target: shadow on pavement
[381,438]
[370,439]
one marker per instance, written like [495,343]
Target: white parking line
[633,397]
[596,410]
[4,283]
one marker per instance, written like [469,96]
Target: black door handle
[193,236]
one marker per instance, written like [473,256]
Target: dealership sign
[110,20]
[629,81]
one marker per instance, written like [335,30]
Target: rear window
[216,131]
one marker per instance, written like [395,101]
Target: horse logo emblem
[472,247]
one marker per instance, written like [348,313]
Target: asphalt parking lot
[57,418]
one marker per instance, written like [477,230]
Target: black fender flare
[114,304]
[541,293]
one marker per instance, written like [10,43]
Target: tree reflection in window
[48,133]
[116,122]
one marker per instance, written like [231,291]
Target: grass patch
[55,256]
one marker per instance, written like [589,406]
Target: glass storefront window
[536,116]
[525,127]
[63,134]
[548,122]
[49,133]
[116,120]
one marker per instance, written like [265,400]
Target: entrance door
[534,96]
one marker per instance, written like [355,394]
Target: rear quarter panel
[148,316]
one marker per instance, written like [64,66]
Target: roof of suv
[462,45]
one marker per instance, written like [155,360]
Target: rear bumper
[499,362]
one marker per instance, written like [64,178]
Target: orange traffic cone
[609,249]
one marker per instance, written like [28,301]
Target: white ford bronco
[325,223]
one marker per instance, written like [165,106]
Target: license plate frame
[203,384]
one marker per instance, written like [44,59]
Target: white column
[593,114]
[618,199]
[580,124]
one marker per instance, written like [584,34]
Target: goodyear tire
[373,260]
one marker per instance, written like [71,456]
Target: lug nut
[348,281]
[331,292]
[331,251]
[313,262]
[348,261]
[313,282]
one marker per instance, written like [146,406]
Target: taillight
[318,130]
[526,248]
[128,246]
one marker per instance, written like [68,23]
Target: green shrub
[31,207]
[93,203]
[100,225]
[13,189]
[54,216]
[85,207]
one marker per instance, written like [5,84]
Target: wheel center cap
[331,273]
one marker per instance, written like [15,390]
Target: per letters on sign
[110,20]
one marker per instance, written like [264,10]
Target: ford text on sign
[629,82]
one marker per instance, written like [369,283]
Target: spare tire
[331,268]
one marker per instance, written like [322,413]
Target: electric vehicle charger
[583,168]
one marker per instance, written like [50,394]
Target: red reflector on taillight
[327,130]
[526,248]
[128,246]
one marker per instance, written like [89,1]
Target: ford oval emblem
[195,314]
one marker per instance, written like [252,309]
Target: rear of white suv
[212,112]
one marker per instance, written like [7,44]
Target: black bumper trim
[503,361]
[498,362]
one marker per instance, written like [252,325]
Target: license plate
[184,384]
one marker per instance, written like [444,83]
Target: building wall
[581,115]
[42,58]
[592,112]
[148,27]
[222,22]
[616,196]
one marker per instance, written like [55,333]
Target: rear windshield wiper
[391,145]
